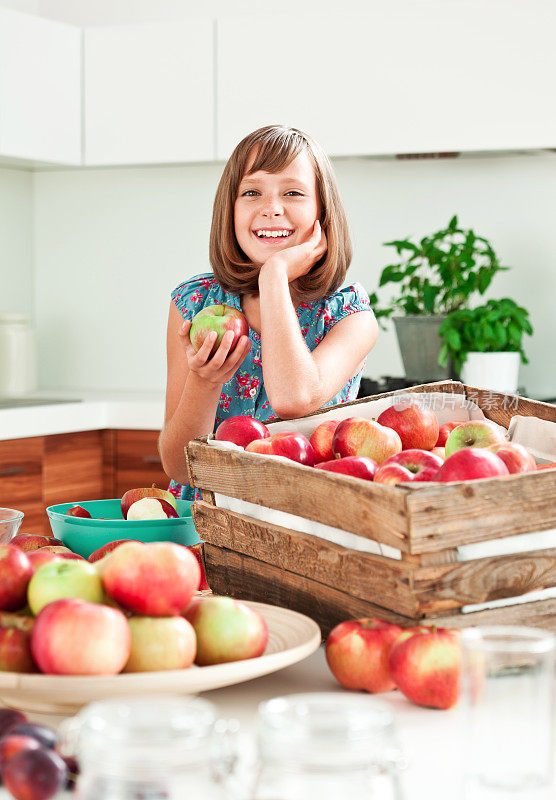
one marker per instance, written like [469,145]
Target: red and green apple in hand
[321,440]
[357,654]
[356,436]
[241,430]
[355,466]
[288,444]
[219,318]
[414,422]
[409,466]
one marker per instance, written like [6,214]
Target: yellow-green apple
[288,444]
[445,430]
[241,430]
[133,495]
[107,548]
[197,550]
[516,457]
[41,556]
[219,318]
[78,511]
[150,508]
[160,643]
[425,665]
[157,579]
[226,630]
[356,436]
[356,466]
[440,452]
[409,465]
[474,433]
[15,573]
[321,440]
[33,541]
[64,578]
[75,637]
[357,653]
[15,643]
[414,422]
[471,463]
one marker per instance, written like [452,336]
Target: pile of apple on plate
[404,444]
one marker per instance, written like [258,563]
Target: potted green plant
[485,343]
[434,277]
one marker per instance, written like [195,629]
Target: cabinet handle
[152,459]
[11,471]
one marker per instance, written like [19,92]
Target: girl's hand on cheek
[298,259]
[223,365]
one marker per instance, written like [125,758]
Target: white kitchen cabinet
[40,89]
[149,95]
[405,77]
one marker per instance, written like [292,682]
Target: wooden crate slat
[501,408]
[375,578]
[375,512]
[535,614]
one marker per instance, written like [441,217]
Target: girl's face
[274,211]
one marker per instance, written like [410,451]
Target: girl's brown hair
[276,147]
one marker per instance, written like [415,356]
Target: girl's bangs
[276,152]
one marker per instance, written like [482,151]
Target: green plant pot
[420,345]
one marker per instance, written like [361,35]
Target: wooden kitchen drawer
[137,461]
[21,481]
[73,467]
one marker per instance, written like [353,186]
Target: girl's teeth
[272,234]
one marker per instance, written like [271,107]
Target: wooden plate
[291,638]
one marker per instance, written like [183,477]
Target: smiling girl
[279,251]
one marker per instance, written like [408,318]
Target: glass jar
[18,358]
[151,748]
[325,746]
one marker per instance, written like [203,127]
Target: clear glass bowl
[10,522]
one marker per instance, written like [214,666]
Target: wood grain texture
[73,467]
[138,462]
[369,577]
[20,471]
[501,408]
[109,463]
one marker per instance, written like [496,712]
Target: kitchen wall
[110,244]
[16,230]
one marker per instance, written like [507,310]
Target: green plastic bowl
[83,536]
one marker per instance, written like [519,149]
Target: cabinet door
[403,77]
[149,93]
[73,467]
[138,463]
[21,482]
[40,89]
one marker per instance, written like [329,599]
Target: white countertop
[89,411]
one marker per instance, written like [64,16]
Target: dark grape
[10,717]
[46,736]
[34,774]
[72,768]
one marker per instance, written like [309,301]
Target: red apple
[197,550]
[62,552]
[474,433]
[440,452]
[409,465]
[425,664]
[107,548]
[15,573]
[74,637]
[78,511]
[414,422]
[32,541]
[160,643]
[288,444]
[241,430]
[470,464]
[157,579]
[357,653]
[445,430]
[15,644]
[133,495]
[515,457]
[64,578]
[321,440]
[41,556]
[219,318]
[226,630]
[356,466]
[150,508]
[356,436]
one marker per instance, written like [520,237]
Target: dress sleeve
[346,301]
[192,295]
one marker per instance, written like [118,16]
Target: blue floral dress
[245,393]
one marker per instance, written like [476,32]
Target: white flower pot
[495,371]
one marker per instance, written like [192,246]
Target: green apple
[159,643]
[64,578]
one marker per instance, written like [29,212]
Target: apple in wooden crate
[133,495]
[515,456]
[157,579]
[321,440]
[226,630]
[474,433]
[219,318]
[357,653]
[409,466]
[61,579]
[288,444]
[15,573]
[424,663]
[75,637]
[15,643]
[356,466]
[414,422]
[356,436]
[241,430]
[471,463]
[445,430]
[160,643]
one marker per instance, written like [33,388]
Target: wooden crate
[426,523]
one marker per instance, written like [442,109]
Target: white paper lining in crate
[539,436]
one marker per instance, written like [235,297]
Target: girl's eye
[253,192]
[249,193]
[295,192]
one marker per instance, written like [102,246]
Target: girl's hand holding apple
[223,365]
[297,260]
